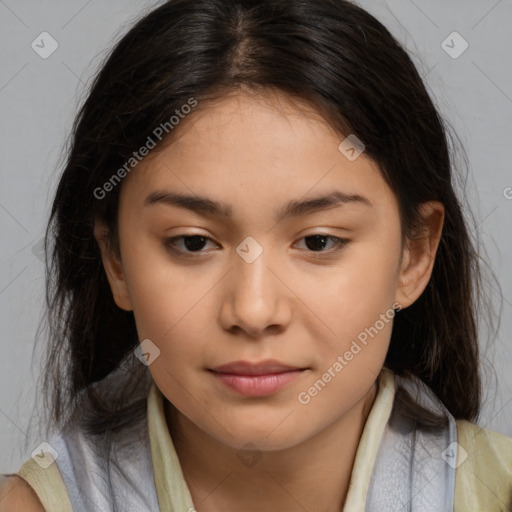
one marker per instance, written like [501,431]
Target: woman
[208,351]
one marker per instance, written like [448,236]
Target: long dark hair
[330,53]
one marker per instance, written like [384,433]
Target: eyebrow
[295,208]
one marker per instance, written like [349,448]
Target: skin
[301,306]
[16,494]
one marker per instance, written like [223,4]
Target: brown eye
[190,243]
[317,243]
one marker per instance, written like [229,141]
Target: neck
[314,475]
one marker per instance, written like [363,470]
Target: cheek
[359,289]
[162,292]
[358,308]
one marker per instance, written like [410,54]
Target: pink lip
[256,379]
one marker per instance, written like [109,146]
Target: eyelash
[340,243]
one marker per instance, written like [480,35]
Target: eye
[191,243]
[316,243]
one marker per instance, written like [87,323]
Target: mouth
[256,379]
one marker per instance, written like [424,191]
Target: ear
[113,267]
[419,254]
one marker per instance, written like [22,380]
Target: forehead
[255,149]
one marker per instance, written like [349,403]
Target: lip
[269,366]
[256,379]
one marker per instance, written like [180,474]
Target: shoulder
[484,469]
[17,494]
[489,447]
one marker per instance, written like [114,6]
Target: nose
[257,301]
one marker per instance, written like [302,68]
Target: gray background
[39,98]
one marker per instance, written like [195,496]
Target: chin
[265,436]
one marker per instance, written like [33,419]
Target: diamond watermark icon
[146,352]
[38,250]
[44,45]
[249,455]
[45,455]
[454,455]
[454,45]
[352,147]
[249,250]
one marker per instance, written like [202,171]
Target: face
[257,271]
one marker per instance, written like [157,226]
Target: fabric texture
[415,465]
[48,485]
[111,472]
[91,476]
[484,470]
